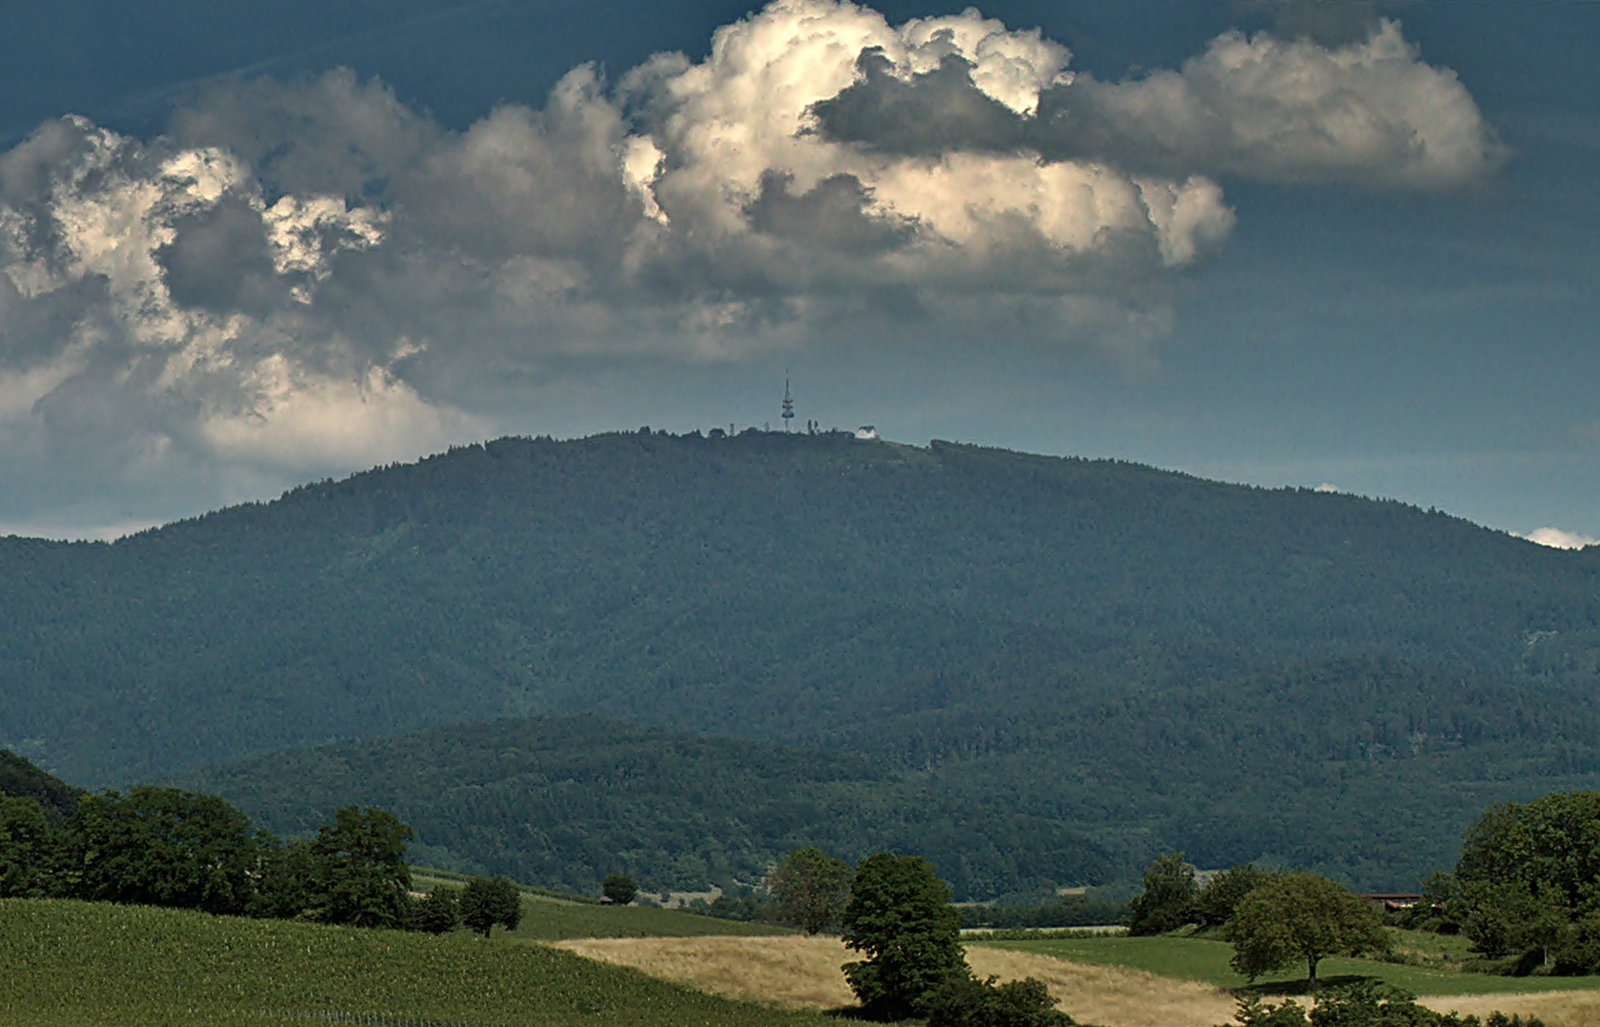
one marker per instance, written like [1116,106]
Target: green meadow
[1206,960]
[66,964]
[545,919]
[552,916]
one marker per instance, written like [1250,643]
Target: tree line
[1525,891]
[895,912]
[169,847]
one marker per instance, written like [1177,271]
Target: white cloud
[1556,538]
[1370,113]
[310,276]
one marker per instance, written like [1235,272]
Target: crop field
[73,964]
[1206,961]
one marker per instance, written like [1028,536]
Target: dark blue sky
[1435,345]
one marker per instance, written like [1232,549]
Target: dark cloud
[832,215]
[1327,22]
[220,261]
[925,114]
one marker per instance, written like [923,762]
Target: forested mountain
[565,800]
[1151,658]
[20,779]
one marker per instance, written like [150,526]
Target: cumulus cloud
[1556,538]
[305,275]
[1367,113]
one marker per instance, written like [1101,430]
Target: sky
[1318,243]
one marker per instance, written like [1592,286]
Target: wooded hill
[563,801]
[1152,659]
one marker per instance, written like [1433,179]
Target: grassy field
[73,964]
[546,917]
[1206,961]
[553,920]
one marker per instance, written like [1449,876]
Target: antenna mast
[788,403]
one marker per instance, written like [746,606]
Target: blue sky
[241,267]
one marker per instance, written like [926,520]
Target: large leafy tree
[1167,901]
[163,847]
[1301,918]
[1528,882]
[900,917]
[811,889]
[359,868]
[1511,918]
[1553,842]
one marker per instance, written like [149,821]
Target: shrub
[966,1002]
[619,888]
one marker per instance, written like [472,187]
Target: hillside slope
[1159,659]
[562,801]
[74,964]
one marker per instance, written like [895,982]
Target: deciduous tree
[900,917]
[359,867]
[439,913]
[1217,900]
[163,847]
[1167,901]
[1302,918]
[27,843]
[487,901]
[811,889]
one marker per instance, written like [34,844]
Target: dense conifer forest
[1141,658]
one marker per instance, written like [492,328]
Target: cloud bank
[308,276]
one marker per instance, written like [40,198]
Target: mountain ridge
[1135,653]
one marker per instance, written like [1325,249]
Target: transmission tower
[788,403]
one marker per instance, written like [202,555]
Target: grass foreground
[67,963]
[1206,961]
